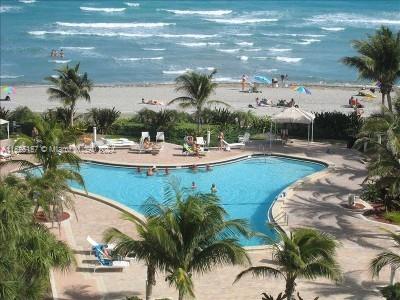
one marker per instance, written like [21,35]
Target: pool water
[247,188]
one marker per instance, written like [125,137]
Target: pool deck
[314,203]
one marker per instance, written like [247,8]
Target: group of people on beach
[55,53]
[275,83]
[268,102]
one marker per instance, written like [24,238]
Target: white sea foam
[279,49]
[60,61]
[201,44]
[244,44]
[138,58]
[27,1]
[253,50]
[154,49]
[199,12]
[225,79]
[243,58]
[205,68]
[78,48]
[269,70]
[260,57]
[103,9]
[10,76]
[239,21]
[120,34]
[188,35]
[294,34]
[288,59]
[228,50]
[113,25]
[8,8]
[176,72]
[307,41]
[132,4]
[354,19]
[333,28]
[243,34]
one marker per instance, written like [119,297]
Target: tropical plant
[4,113]
[104,118]
[387,257]
[28,250]
[161,120]
[198,88]
[305,253]
[68,87]
[379,60]
[185,234]
[391,292]
[61,115]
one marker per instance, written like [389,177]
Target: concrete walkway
[314,204]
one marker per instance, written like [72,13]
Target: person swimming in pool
[213,188]
[194,185]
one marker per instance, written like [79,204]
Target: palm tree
[379,60]
[197,88]
[306,253]
[28,249]
[387,258]
[144,248]
[68,87]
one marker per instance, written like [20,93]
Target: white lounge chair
[244,138]
[229,146]
[121,143]
[160,137]
[145,134]
[96,244]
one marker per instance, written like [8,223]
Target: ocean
[124,42]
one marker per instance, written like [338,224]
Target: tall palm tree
[68,87]
[306,253]
[379,60]
[387,258]
[28,250]
[198,88]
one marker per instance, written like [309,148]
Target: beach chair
[200,142]
[160,137]
[244,138]
[229,146]
[104,262]
[98,245]
[186,149]
[145,134]
[4,155]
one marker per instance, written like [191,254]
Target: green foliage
[104,118]
[4,113]
[386,258]
[371,193]
[393,216]
[24,117]
[162,120]
[133,298]
[391,292]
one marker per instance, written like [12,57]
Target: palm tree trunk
[289,290]
[198,120]
[389,101]
[383,102]
[151,281]
[72,112]
[181,294]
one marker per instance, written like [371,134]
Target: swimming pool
[247,188]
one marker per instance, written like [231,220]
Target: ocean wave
[201,44]
[333,28]
[176,72]
[279,49]
[138,58]
[228,50]
[269,70]
[244,44]
[241,21]
[187,35]
[199,12]
[8,8]
[261,57]
[243,34]
[289,59]
[103,9]
[78,48]
[60,61]
[10,76]
[225,79]
[113,25]
[252,50]
[132,4]
[154,49]
[294,34]
[354,19]
[307,41]
[205,68]
[27,1]
[244,58]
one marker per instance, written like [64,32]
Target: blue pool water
[126,41]
[247,188]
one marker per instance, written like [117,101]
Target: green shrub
[391,292]
[24,117]
[393,217]
[127,127]
[104,118]
[371,193]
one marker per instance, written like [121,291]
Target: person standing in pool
[62,53]
[213,188]
[194,185]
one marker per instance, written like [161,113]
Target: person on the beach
[282,78]
[291,103]
[146,143]
[244,77]
[213,188]
[152,102]
[221,141]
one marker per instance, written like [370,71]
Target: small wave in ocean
[199,44]
[269,70]
[241,21]
[205,68]
[294,34]
[27,1]
[354,19]
[252,50]
[333,28]
[176,72]
[8,8]
[187,35]
[103,9]
[225,79]
[77,48]
[154,49]
[228,50]
[199,12]
[138,58]
[307,41]
[261,57]
[244,44]
[60,61]
[244,58]
[279,49]
[289,59]
[132,4]
[113,25]
[243,34]
[10,76]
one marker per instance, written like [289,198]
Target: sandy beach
[127,99]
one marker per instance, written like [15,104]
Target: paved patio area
[314,204]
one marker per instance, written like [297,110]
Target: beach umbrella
[302,90]
[262,79]
[8,90]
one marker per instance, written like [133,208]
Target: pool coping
[273,211]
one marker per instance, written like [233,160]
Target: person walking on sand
[221,141]
[244,77]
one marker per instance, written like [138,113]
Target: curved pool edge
[273,211]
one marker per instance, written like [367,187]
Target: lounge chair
[160,137]
[107,262]
[121,143]
[98,245]
[244,138]
[186,149]
[229,146]
[145,134]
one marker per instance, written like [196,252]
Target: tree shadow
[82,292]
